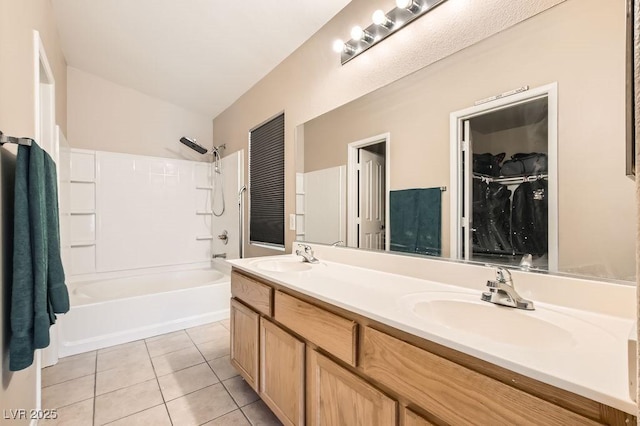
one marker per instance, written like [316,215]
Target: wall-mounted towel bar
[11,139]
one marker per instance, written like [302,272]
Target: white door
[371,200]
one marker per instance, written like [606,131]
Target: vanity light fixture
[384,24]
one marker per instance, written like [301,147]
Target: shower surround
[142,237]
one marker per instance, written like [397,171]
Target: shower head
[191,143]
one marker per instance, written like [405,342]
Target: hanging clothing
[530,218]
[491,218]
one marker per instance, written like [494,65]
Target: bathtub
[106,312]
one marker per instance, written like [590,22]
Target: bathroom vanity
[336,344]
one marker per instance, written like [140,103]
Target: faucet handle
[503,275]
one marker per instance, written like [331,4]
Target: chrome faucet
[307,254]
[502,292]
[219,256]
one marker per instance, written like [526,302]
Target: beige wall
[18,19]
[108,117]
[596,219]
[311,81]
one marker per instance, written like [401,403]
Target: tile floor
[180,378]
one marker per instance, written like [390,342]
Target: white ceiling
[199,54]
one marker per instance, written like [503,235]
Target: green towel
[415,220]
[38,288]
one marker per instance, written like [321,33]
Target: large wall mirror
[433,165]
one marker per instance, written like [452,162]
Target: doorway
[368,193]
[504,180]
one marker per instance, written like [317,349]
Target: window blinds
[266,183]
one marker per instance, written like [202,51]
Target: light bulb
[380,18]
[409,5]
[338,46]
[357,33]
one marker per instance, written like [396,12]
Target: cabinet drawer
[251,292]
[329,331]
[453,393]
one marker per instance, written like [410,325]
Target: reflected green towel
[415,219]
[38,288]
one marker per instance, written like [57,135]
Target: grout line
[95,389]
[158,383]
[133,414]
[70,404]
[68,380]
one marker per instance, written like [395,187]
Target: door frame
[456,123]
[44,132]
[352,186]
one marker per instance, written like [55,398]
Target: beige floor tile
[156,416]
[127,345]
[207,332]
[83,355]
[171,343]
[234,418]
[63,371]
[121,357]
[226,324]
[216,348]
[78,414]
[124,402]
[68,392]
[223,368]
[186,381]
[125,376]
[165,335]
[240,391]
[200,406]
[165,364]
[259,414]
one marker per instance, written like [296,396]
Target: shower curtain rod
[11,139]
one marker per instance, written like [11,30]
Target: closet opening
[504,175]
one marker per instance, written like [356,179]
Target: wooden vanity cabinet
[312,361]
[282,373]
[244,325]
[337,397]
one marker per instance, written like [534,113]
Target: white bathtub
[108,312]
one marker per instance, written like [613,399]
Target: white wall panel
[325,190]
[146,213]
[230,181]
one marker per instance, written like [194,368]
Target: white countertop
[593,363]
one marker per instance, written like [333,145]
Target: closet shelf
[510,180]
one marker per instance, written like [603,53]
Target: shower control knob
[224,237]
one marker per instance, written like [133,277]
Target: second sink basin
[292,265]
[466,313]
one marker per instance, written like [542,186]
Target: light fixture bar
[396,19]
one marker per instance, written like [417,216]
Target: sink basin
[293,265]
[466,313]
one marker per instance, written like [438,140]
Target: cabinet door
[337,397]
[244,342]
[282,373]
